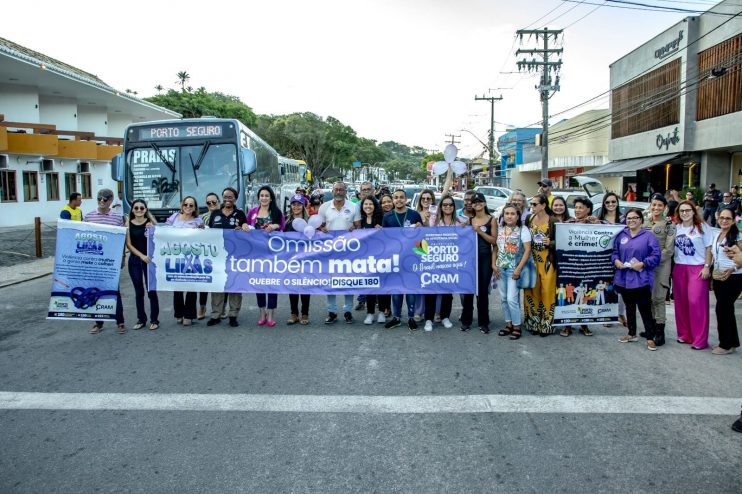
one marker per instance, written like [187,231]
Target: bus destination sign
[181,132]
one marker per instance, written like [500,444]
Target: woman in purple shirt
[636,254]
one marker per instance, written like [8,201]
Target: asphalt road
[126,449]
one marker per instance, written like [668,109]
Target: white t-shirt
[690,245]
[339,219]
[721,259]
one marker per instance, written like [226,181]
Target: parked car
[622,207]
[496,196]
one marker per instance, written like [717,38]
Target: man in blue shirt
[402,217]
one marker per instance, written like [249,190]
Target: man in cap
[711,200]
[545,187]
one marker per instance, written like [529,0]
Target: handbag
[527,275]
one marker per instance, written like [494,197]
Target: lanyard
[404,220]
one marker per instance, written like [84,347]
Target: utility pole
[453,138]
[491,141]
[546,89]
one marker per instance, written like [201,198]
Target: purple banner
[389,261]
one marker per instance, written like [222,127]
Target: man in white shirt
[339,214]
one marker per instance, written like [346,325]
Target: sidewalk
[26,271]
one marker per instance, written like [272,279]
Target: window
[648,102]
[720,94]
[30,186]
[52,186]
[87,188]
[70,184]
[7,186]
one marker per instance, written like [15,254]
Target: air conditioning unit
[3,161]
[83,167]
[47,166]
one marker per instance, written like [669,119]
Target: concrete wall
[58,111]
[117,123]
[19,103]
[93,119]
[566,139]
[715,168]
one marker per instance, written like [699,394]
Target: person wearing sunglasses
[636,254]
[104,215]
[690,276]
[184,304]
[212,204]
[610,213]
[727,282]
[140,219]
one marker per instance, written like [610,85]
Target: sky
[402,70]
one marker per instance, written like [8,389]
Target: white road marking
[652,405]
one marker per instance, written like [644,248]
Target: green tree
[183,77]
[201,102]
[159,88]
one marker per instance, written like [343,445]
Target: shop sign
[670,47]
[671,139]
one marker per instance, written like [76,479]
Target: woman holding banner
[267,217]
[371,217]
[610,213]
[690,276]
[512,250]
[298,211]
[184,305]
[212,204]
[136,241]
[541,299]
[636,254]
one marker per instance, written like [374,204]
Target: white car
[496,197]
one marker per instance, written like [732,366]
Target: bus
[293,174]
[164,161]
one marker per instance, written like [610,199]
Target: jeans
[272,300]
[397,305]
[510,297]
[709,216]
[332,305]
[138,273]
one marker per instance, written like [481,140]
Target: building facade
[676,107]
[59,129]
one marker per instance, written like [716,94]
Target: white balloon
[299,224]
[440,167]
[458,167]
[449,154]
[309,231]
[315,221]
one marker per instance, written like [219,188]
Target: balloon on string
[458,167]
[449,154]
[299,224]
[315,221]
[309,231]
[440,167]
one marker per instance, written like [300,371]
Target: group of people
[657,249]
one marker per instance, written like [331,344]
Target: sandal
[566,331]
[154,326]
[507,330]
[515,334]
[121,329]
[179,320]
[586,331]
[187,322]
[293,319]
[304,320]
[138,326]
[97,328]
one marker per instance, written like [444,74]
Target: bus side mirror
[248,162]
[117,167]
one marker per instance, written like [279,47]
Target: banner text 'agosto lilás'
[388,261]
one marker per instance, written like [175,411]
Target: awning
[622,168]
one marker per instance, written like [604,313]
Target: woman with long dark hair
[690,276]
[727,282]
[540,300]
[184,305]
[559,209]
[268,218]
[609,209]
[136,241]
[371,217]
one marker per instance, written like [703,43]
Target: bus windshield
[164,175]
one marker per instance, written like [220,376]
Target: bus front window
[163,176]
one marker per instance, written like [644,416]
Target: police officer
[664,229]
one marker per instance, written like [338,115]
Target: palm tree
[159,88]
[183,77]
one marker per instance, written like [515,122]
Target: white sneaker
[428,325]
[381,319]
[447,324]
[369,319]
